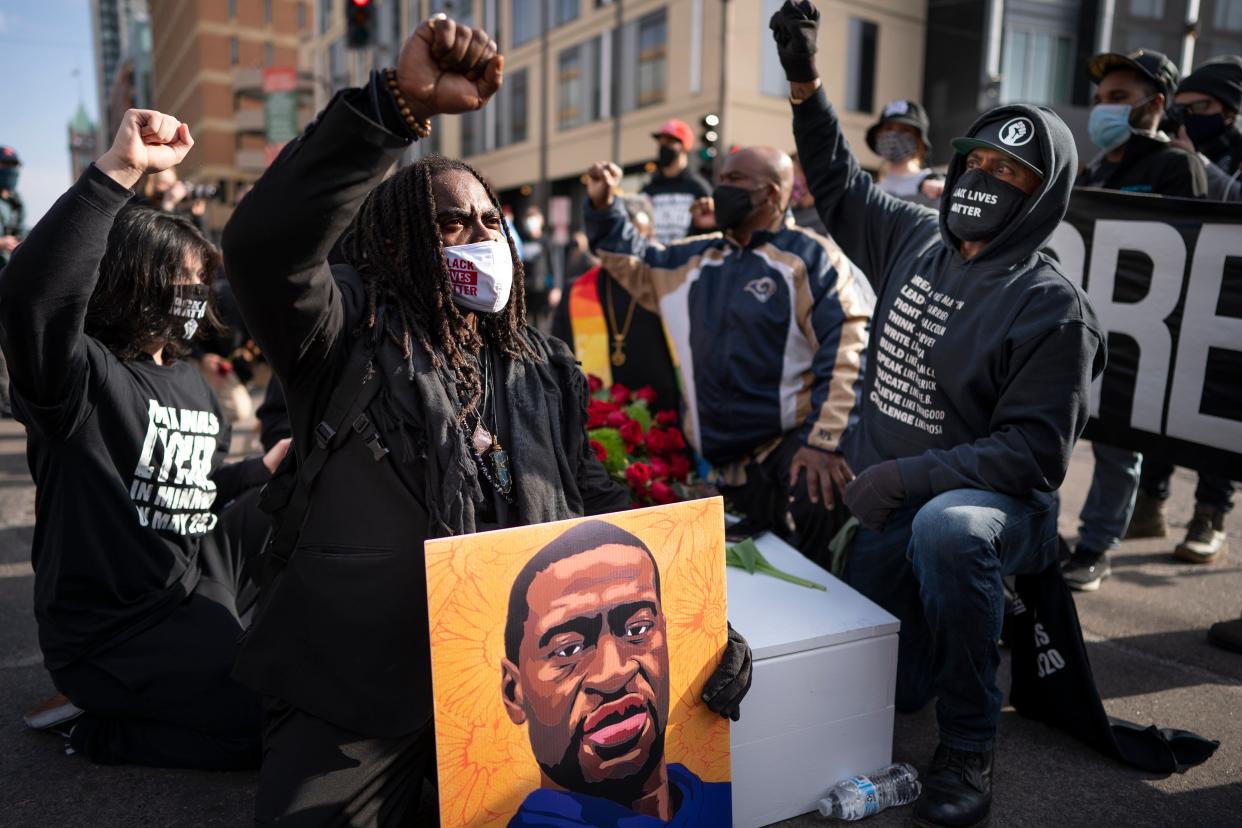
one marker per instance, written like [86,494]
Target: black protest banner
[1165,278]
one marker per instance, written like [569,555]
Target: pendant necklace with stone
[492,457]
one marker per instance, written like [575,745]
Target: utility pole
[726,16]
[615,47]
[541,187]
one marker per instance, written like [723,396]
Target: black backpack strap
[346,411]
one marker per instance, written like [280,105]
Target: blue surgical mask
[1109,125]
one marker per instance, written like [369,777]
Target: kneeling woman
[441,410]
[140,589]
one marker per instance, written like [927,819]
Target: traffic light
[709,139]
[359,23]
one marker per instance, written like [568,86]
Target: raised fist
[603,181]
[446,68]
[146,142]
[794,27]
[703,214]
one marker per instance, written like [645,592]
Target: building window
[570,88]
[337,71]
[472,133]
[1038,68]
[232,9]
[527,20]
[267,12]
[460,10]
[860,70]
[771,73]
[325,15]
[652,59]
[1228,15]
[233,50]
[301,17]
[267,54]
[563,11]
[512,123]
[1147,8]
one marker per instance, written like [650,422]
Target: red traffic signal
[359,23]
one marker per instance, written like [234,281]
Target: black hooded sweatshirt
[126,455]
[978,371]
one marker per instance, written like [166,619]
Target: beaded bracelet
[420,128]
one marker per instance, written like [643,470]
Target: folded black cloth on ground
[1053,682]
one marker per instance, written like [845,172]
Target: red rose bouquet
[640,447]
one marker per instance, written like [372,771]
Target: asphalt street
[1145,631]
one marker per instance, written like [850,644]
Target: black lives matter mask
[981,205]
[189,302]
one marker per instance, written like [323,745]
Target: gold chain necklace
[619,333]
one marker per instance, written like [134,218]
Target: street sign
[280,108]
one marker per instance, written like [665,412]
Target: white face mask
[482,275]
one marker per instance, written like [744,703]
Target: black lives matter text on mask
[172,487]
[905,386]
[962,195]
[1165,279]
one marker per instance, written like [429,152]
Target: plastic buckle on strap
[324,434]
[372,440]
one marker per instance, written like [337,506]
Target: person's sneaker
[1149,519]
[1086,569]
[957,790]
[55,714]
[1227,635]
[1205,537]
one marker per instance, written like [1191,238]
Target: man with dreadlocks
[421,405]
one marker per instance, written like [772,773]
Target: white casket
[821,704]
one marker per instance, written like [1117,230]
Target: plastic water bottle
[861,796]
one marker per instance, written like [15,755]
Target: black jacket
[342,632]
[126,454]
[977,371]
[1224,167]
[1149,165]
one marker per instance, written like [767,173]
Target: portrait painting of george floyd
[568,660]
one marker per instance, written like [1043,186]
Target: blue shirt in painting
[703,805]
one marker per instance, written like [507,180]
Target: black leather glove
[729,684]
[875,493]
[794,26]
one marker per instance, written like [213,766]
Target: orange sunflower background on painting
[485,764]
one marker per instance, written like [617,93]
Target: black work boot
[957,790]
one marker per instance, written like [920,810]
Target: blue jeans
[1110,501]
[938,568]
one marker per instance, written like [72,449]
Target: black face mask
[1202,129]
[190,303]
[981,205]
[667,155]
[733,205]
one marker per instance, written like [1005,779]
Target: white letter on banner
[1067,245]
[1203,329]
[1143,320]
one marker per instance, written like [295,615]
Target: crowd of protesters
[774,310]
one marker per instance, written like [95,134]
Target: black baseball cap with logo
[1014,136]
[1154,66]
[8,155]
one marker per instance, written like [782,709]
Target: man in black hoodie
[978,371]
